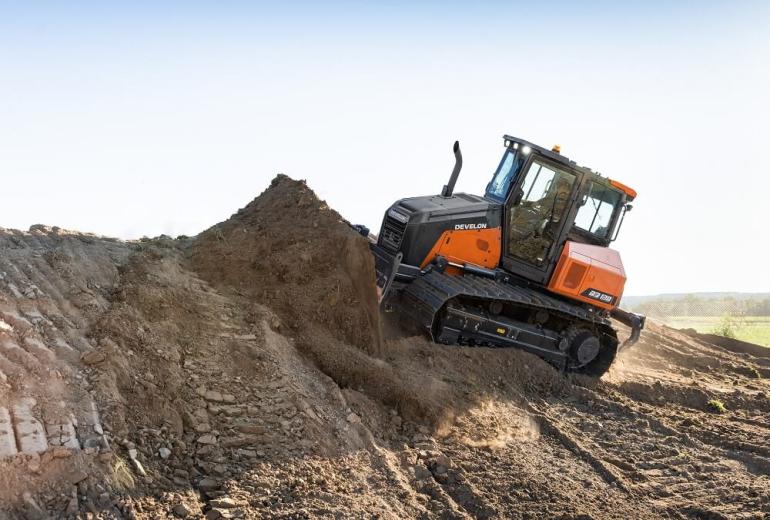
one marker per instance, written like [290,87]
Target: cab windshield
[505,175]
[597,210]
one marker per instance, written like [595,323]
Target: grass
[754,329]
[716,406]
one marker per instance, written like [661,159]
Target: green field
[754,329]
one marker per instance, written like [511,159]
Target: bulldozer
[526,265]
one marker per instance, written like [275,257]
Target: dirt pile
[242,374]
[52,283]
[289,251]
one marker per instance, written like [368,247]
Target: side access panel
[474,246]
[591,274]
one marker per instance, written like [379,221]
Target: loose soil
[243,374]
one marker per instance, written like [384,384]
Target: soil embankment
[243,374]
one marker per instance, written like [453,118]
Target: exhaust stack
[450,186]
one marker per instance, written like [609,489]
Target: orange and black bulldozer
[526,265]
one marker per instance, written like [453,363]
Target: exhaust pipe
[450,186]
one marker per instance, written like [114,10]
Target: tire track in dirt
[659,460]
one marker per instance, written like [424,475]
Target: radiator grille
[392,234]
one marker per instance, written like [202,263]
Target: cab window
[598,207]
[505,175]
[536,212]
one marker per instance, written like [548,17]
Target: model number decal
[598,295]
[480,225]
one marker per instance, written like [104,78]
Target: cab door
[536,212]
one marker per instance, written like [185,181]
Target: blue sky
[144,118]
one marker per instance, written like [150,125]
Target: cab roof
[630,192]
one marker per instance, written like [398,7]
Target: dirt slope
[242,374]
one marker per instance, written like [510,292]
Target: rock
[31,509]
[207,439]
[442,460]
[182,511]
[241,440]
[164,453]
[180,481]
[60,452]
[353,418]
[223,503]
[202,427]
[208,484]
[232,411]
[207,449]
[77,476]
[72,506]
[422,473]
[139,467]
[93,357]
[34,463]
[213,395]
[228,398]
[275,323]
[250,428]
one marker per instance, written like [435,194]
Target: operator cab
[548,200]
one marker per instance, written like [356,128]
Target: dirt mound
[242,374]
[52,283]
[288,250]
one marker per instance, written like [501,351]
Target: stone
[72,506]
[223,503]
[207,439]
[202,427]
[250,428]
[240,441]
[182,511]
[213,395]
[77,476]
[93,357]
[34,463]
[422,473]
[208,484]
[180,481]
[164,453]
[443,460]
[33,511]
[60,452]
[205,450]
